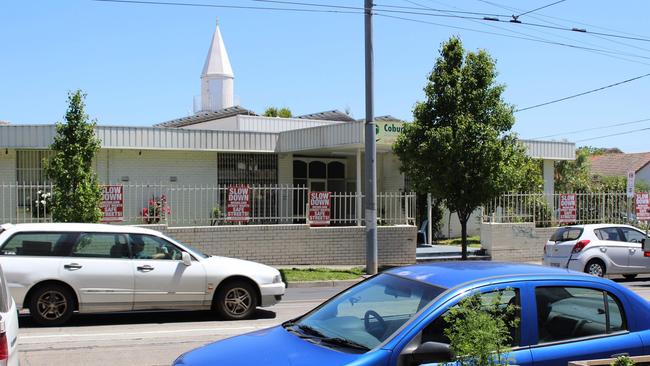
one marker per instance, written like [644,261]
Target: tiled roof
[334,115]
[206,116]
[618,164]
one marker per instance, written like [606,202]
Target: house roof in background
[206,116]
[618,164]
[3,123]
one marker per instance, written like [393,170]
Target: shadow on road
[143,317]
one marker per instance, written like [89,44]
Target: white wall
[644,174]
[285,169]
[8,166]
[224,124]
[452,229]
[391,178]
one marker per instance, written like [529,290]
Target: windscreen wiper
[345,343]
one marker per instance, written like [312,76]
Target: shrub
[156,211]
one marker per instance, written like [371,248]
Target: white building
[225,144]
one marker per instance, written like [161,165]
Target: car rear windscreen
[566,234]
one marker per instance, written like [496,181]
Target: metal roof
[206,116]
[334,115]
[146,138]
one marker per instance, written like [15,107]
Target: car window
[632,236]
[101,245]
[608,233]
[434,332]
[371,312]
[40,244]
[565,313]
[566,234]
[153,247]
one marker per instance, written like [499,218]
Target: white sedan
[56,269]
[598,249]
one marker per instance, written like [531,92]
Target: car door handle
[72,266]
[145,268]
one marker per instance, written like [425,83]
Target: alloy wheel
[238,301]
[52,305]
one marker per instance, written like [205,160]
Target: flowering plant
[157,210]
[41,205]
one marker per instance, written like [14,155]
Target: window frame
[83,233]
[605,293]
[46,232]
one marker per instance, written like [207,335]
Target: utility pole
[371,152]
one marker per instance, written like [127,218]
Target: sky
[140,64]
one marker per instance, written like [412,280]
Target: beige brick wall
[299,244]
[521,242]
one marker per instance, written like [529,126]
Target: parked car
[8,326]
[598,249]
[397,318]
[56,269]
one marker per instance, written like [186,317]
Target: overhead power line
[515,17]
[593,128]
[614,54]
[615,134]
[583,93]
[349,9]
[142,2]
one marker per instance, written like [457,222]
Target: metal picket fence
[544,210]
[203,205]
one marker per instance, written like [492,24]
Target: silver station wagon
[56,269]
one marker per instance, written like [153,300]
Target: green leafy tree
[458,146]
[283,112]
[479,333]
[574,176]
[76,196]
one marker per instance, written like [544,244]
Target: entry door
[162,281]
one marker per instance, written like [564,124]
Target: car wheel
[629,276]
[236,300]
[595,267]
[51,305]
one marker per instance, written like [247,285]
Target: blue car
[396,318]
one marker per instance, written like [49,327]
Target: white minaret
[217,78]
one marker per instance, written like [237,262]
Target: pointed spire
[217,62]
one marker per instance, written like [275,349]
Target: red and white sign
[239,203]
[642,206]
[112,205]
[568,208]
[320,204]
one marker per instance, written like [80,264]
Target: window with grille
[253,169]
[30,166]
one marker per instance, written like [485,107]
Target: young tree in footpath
[76,196]
[459,147]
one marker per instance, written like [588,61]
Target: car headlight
[277,279]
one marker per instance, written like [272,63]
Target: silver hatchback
[598,249]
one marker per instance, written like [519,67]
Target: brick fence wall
[520,242]
[299,244]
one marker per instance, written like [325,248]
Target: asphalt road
[149,338]
[157,338]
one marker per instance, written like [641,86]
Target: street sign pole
[371,151]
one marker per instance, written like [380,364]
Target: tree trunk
[463,218]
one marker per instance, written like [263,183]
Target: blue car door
[432,326]
[575,321]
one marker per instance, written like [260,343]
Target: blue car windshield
[367,314]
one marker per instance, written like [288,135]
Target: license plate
[555,264]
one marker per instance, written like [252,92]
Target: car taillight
[580,246]
[646,254]
[4,348]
